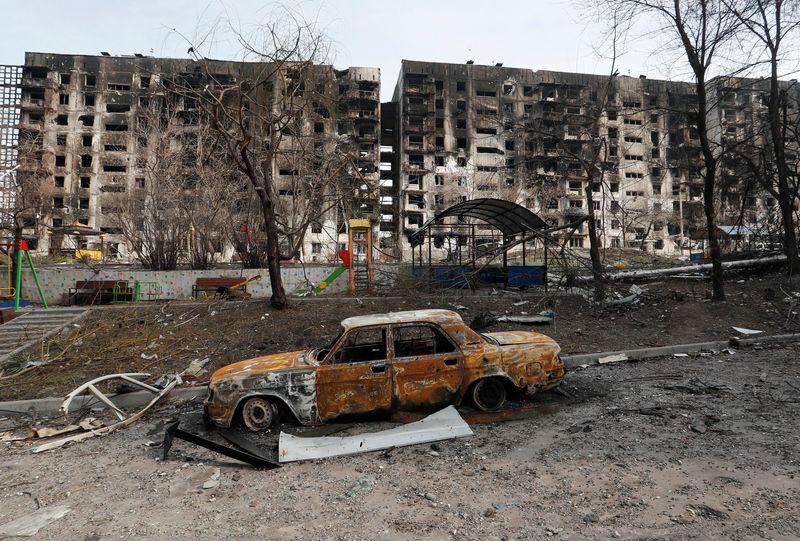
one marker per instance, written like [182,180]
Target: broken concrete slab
[442,425]
[29,525]
[612,358]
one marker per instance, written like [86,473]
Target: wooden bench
[95,291]
[219,286]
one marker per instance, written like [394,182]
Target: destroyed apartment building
[87,119]
[451,132]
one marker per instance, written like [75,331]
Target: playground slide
[323,284]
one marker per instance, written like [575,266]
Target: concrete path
[32,326]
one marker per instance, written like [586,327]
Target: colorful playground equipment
[8,293]
[358,260]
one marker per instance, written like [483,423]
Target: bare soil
[165,338]
[704,447]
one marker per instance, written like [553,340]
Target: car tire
[489,394]
[259,413]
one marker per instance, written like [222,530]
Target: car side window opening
[419,340]
[362,345]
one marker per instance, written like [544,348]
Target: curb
[574,361]
[138,399]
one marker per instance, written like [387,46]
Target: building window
[65,78]
[461,123]
[316,227]
[461,86]
[61,161]
[59,182]
[63,99]
[316,248]
[86,182]
[438,180]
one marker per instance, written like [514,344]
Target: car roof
[442,317]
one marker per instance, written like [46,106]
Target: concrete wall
[57,280]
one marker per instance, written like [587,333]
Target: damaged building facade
[84,114]
[451,132]
[468,131]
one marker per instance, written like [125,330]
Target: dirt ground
[701,447]
[165,338]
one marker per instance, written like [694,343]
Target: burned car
[398,361]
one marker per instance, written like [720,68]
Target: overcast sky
[535,34]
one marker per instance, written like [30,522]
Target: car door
[355,376]
[427,366]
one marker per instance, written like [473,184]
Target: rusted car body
[397,361]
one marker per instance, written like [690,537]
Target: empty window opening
[62,120]
[86,140]
[116,127]
[83,203]
[461,86]
[61,161]
[63,99]
[59,182]
[508,89]
[144,81]
[486,93]
[461,123]
[419,340]
[86,160]
[140,182]
[65,78]
[117,107]
[61,140]
[86,182]
[90,80]
[631,139]
[87,120]
[115,148]
[58,202]
[88,100]
[119,87]
[109,168]
[487,131]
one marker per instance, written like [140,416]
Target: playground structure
[459,246]
[357,259]
[8,293]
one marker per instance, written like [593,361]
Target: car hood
[508,338]
[259,365]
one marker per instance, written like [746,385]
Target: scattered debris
[442,425]
[106,429]
[612,358]
[213,481]
[197,367]
[705,511]
[29,525]
[505,505]
[680,354]
[746,332]
[364,485]
[172,432]
[528,320]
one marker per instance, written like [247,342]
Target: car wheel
[489,394]
[259,414]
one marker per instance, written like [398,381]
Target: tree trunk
[717,279]
[594,248]
[278,299]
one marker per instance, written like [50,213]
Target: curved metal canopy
[507,216]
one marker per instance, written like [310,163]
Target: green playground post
[18,279]
[35,278]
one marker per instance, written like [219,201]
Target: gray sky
[535,34]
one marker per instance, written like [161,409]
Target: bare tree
[772,24]
[268,121]
[33,190]
[700,33]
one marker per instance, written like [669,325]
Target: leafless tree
[32,197]
[267,120]
[773,25]
[700,33]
